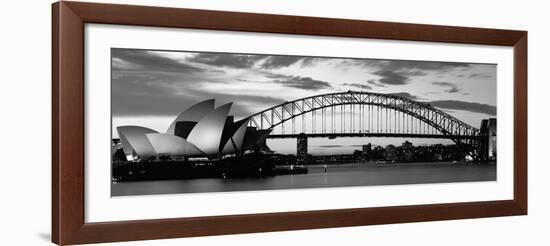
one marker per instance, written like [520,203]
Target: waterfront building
[200,131]
[135,144]
[192,115]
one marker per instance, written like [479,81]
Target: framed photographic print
[175,122]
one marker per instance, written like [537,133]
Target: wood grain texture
[68,125]
[55,123]
[252,22]
[68,224]
[520,122]
[219,225]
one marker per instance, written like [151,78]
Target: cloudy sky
[150,88]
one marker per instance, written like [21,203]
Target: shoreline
[397,164]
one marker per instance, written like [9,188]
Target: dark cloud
[274,62]
[130,59]
[397,72]
[360,86]
[405,95]
[162,94]
[267,62]
[451,88]
[144,94]
[226,60]
[479,75]
[428,65]
[391,78]
[271,75]
[465,106]
[305,83]
[413,73]
[403,65]
[309,61]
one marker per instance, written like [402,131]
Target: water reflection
[334,176]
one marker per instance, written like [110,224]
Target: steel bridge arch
[441,121]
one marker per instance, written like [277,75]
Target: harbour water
[320,176]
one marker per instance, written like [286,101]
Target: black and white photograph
[190,121]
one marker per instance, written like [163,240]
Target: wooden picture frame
[68,223]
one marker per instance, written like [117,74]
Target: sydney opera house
[201,131]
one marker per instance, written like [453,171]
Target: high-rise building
[301,152]
[367,152]
[488,140]
[492,135]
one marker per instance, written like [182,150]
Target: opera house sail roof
[235,140]
[170,145]
[200,131]
[192,114]
[134,142]
[206,135]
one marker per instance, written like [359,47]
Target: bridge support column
[301,149]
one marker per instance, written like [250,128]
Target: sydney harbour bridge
[364,114]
